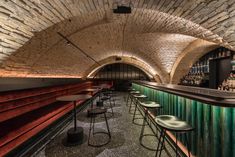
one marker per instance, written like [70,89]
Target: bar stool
[128,95]
[113,96]
[110,92]
[132,98]
[173,124]
[108,98]
[93,113]
[146,106]
[137,98]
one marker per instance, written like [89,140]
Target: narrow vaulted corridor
[124,137]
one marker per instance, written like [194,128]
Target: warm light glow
[150,71]
[16,74]
[164,48]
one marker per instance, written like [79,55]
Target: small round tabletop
[97,87]
[73,97]
[105,86]
[130,89]
[135,92]
[139,96]
[90,90]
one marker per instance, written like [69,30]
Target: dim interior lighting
[123,8]
[117,58]
[148,69]
[69,42]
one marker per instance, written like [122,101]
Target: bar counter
[210,96]
[210,112]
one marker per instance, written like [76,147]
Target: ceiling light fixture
[122,8]
[117,58]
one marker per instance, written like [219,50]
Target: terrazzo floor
[124,137]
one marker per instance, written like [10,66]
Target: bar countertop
[209,96]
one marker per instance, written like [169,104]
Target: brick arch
[33,29]
[20,21]
[90,73]
[188,57]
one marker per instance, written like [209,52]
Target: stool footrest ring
[100,145]
[147,147]
[138,123]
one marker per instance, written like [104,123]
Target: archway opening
[122,74]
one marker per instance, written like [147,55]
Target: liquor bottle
[228,84]
[207,66]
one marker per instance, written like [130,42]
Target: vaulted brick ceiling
[156,33]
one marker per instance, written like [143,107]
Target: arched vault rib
[142,21]
[90,73]
[188,57]
[20,15]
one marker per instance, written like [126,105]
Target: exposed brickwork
[188,57]
[30,45]
[124,59]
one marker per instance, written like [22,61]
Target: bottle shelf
[200,71]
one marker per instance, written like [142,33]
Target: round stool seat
[97,111]
[135,92]
[172,123]
[139,96]
[105,98]
[107,92]
[130,89]
[150,104]
[93,133]
[112,89]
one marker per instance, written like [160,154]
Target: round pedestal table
[75,134]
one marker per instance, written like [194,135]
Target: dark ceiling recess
[118,58]
[122,10]
[121,71]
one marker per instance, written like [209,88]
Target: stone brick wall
[157,33]
[188,57]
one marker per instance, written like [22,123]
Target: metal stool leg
[114,103]
[134,112]
[111,106]
[188,145]
[127,100]
[90,129]
[162,144]
[93,126]
[130,105]
[143,126]
[176,146]
[107,125]
[159,142]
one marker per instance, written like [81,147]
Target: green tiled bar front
[214,134]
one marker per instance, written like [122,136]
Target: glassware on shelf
[228,84]
[194,79]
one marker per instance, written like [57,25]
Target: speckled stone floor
[124,141]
